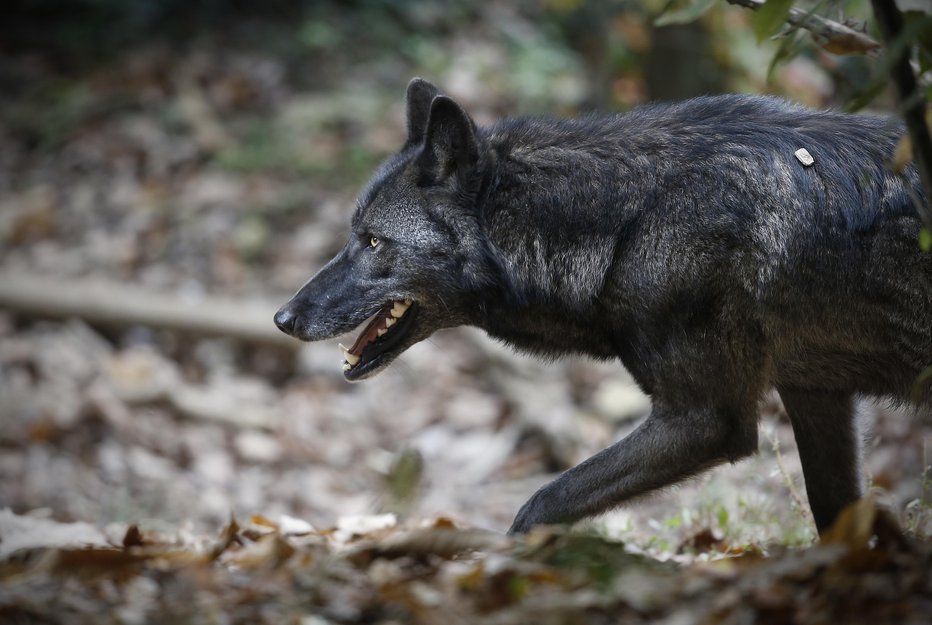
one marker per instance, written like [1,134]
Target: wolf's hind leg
[824,427]
[669,446]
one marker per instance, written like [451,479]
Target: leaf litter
[865,570]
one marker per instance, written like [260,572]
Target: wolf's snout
[285,320]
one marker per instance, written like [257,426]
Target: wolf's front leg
[669,446]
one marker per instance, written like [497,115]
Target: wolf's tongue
[372,330]
[369,334]
[381,323]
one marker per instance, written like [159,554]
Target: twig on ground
[798,503]
[106,303]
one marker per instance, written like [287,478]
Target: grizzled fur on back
[672,194]
[684,239]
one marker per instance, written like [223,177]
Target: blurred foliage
[769,23]
[82,31]
[344,65]
[403,481]
[540,46]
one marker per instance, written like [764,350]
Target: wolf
[718,248]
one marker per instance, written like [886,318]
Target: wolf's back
[672,204]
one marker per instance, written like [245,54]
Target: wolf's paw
[541,509]
[521,524]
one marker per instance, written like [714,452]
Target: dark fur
[685,240]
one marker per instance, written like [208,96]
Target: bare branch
[833,35]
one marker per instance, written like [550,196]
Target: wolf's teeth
[408,302]
[399,309]
[390,321]
[382,331]
[347,366]
[350,358]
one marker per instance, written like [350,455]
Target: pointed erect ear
[420,94]
[450,142]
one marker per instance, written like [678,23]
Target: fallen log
[110,304]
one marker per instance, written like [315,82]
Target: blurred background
[170,172]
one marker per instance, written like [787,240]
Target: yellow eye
[373,241]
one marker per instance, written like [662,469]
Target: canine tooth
[382,331]
[390,321]
[399,309]
[352,359]
[343,348]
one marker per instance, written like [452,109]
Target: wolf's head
[416,259]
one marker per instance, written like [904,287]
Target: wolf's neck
[554,217]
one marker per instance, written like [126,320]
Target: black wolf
[689,240]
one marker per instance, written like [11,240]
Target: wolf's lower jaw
[386,328]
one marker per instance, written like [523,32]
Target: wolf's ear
[420,94]
[450,142]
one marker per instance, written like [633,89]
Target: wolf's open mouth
[383,332]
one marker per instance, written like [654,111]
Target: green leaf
[918,29]
[788,49]
[685,15]
[925,240]
[769,19]
[722,517]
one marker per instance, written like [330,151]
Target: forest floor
[155,475]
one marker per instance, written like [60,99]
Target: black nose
[285,319]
